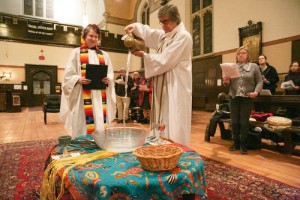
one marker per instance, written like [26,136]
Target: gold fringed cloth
[63,166]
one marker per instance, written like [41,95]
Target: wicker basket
[158,158]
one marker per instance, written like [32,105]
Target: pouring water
[126,86]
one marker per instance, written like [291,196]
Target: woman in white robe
[72,110]
[171,69]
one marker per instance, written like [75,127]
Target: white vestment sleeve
[110,91]
[159,63]
[70,90]
[150,36]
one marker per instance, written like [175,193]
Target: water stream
[126,86]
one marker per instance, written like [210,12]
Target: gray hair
[171,11]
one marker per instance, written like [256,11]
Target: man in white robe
[171,70]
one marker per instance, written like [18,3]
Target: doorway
[41,80]
[41,83]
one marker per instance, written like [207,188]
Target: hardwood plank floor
[29,125]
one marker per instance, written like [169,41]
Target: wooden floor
[29,125]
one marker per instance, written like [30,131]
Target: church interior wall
[279,56]
[278,19]
[278,22]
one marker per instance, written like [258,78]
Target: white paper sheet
[230,70]
[287,85]
[56,157]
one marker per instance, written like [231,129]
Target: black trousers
[215,119]
[240,113]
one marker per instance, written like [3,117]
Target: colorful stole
[87,94]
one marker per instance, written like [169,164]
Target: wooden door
[41,85]
[41,80]
[206,75]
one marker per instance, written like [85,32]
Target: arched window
[202,20]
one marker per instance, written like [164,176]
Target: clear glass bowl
[120,139]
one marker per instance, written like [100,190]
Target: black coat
[120,89]
[295,77]
[272,76]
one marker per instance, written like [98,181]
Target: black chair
[51,105]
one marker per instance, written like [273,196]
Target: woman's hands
[252,95]
[82,80]
[226,80]
[105,80]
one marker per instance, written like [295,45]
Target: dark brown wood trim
[279,41]
[283,40]
[21,67]
[11,66]
[225,52]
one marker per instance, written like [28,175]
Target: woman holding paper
[293,75]
[85,110]
[242,91]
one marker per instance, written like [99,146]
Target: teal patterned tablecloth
[121,177]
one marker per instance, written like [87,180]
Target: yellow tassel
[48,186]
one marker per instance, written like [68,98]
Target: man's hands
[129,28]
[138,53]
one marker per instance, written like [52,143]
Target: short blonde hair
[135,74]
[243,48]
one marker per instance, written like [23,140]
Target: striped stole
[87,93]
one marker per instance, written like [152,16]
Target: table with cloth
[121,177]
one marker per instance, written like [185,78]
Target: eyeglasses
[164,21]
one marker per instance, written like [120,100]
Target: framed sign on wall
[251,36]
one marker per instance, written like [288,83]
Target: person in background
[122,103]
[145,98]
[269,74]
[242,91]
[171,71]
[134,101]
[293,75]
[85,110]
[222,112]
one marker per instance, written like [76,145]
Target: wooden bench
[289,136]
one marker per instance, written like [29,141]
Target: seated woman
[293,75]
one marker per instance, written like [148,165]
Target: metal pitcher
[134,43]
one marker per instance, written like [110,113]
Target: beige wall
[279,19]
[279,56]
[14,56]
